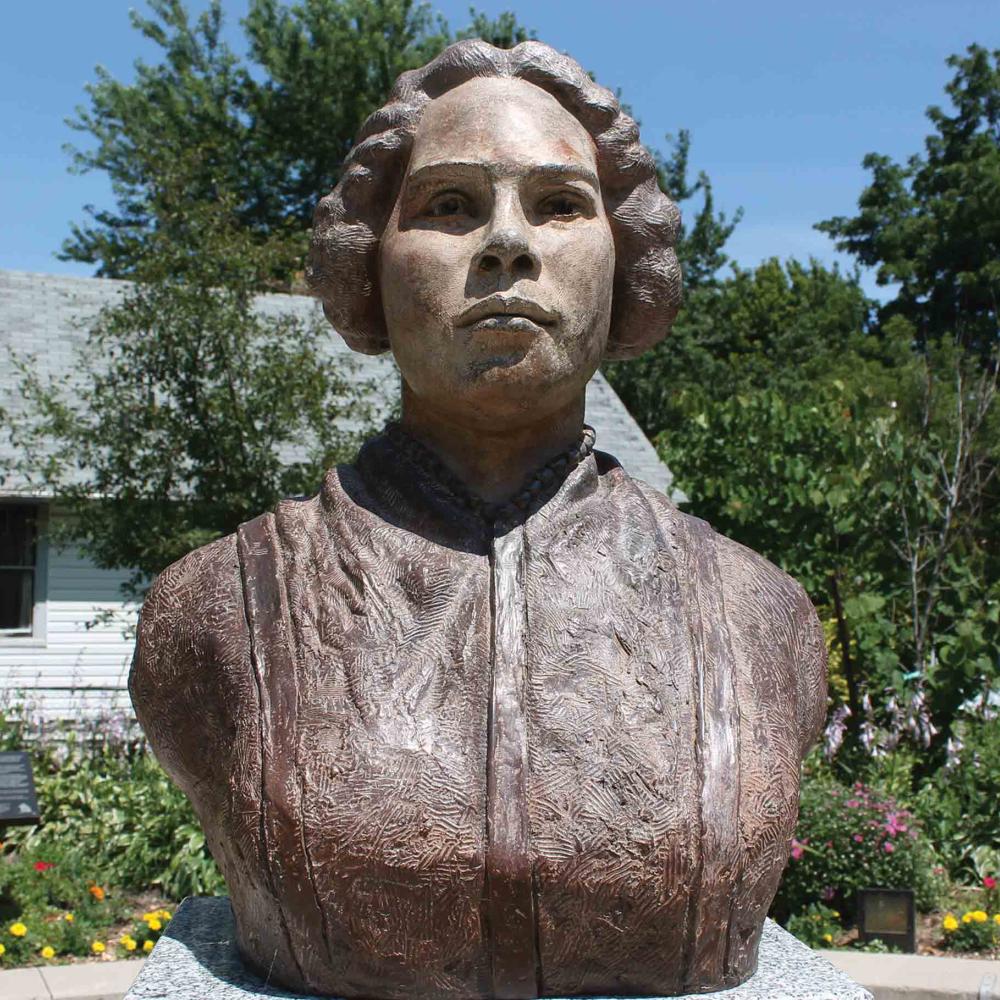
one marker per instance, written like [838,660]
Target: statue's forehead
[495,120]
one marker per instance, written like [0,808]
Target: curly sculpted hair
[343,258]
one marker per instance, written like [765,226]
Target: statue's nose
[507,249]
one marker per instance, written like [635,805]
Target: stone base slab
[197,959]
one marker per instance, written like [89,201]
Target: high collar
[404,483]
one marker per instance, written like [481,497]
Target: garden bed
[49,915]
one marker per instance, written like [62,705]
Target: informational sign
[890,915]
[18,802]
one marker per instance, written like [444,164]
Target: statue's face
[497,264]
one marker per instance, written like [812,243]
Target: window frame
[38,637]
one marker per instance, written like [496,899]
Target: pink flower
[990,882]
[888,847]
[858,838]
[894,824]
[798,848]
[852,803]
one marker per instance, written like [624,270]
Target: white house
[59,648]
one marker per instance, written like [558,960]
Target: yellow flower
[950,923]
[835,913]
[98,947]
[18,929]
[164,915]
[48,952]
[966,918]
[2,949]
[154,924]
[996,918]
[69,918]
[129,943]
[827,938]
[979,916]
[147,945]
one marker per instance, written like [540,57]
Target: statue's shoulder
[191,652]
[768,613]
[192,598]
[778,628]
[742,571]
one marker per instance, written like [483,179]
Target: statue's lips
[506,312]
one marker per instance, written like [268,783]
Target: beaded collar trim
[551,474]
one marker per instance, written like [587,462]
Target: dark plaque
[890,916]
[18,802]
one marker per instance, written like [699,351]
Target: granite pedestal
[197,959]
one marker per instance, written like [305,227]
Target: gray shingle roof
[46,316]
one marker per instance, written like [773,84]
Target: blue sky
[783,99]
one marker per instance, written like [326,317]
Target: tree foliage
[858,445]
[877,496]
[933,224]
[777,325]
[270,129]
[190,410]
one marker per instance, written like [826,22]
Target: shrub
[975,930]
[817,925]
[851,838]
[144,933]
[50,907]
[109,810]
[958,804]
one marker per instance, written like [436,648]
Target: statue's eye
[448,204]
[561,206]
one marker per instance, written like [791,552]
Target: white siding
[77,667]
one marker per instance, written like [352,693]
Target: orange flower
[97,892]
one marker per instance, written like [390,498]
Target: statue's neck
[493,462]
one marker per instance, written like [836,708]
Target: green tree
[932,226]
[791,477]
[189,410]
[878,494]
[777,325]
[271,129]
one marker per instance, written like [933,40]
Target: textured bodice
[436,755]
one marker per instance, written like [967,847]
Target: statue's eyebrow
[429,172]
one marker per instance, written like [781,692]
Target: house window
[19,586]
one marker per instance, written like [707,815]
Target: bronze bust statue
[486,717]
